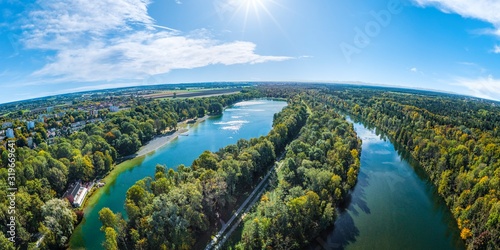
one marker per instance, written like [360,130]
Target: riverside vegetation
[455,139]
[43,173]
[171,209]
[319,168]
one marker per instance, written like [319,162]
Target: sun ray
[266,10]
[257,10]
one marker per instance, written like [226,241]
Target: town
[48,121]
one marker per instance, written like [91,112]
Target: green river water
[392,206]
[246,120]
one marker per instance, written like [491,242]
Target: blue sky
[60,46]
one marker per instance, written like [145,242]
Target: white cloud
[116,40]
[64,23]
[485,10]
[414,70]
[496,49]
[484,87]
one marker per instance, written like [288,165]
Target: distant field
[193,93]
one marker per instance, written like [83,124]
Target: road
[221,237]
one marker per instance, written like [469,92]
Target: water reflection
[393,205]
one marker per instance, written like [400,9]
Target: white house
[77,195]
[80,197]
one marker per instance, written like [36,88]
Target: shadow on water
[344,232]
[357,197]
[339,236]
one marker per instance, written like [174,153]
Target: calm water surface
[393,205]
[246,120]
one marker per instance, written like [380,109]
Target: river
[393,205]
[244,120]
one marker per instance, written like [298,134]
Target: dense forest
[319,169]
[455,139]
[44,173]
[170,210]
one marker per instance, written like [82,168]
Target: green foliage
[455,140]
[58,224]
[46,171]
[311,181]
[110,243]
[6,243]
[172,209]
[215,108]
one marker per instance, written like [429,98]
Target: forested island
[315,151]
[454,138]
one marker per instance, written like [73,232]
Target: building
[50,109]
[6,125]
[41,118]
[76,194]
[60,114]
[37,111]
[30,125]
[78,125]
[51,133]
[114,108]
[94,112]
[30,142]
[9,133]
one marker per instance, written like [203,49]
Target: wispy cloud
[485,10]
[116,40]
[496,49]
[484,87]
[414,70]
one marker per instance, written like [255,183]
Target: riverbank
[210,134]
[125,164]
[154,144]
[392,206]
[162,140]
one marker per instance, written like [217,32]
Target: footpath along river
[393,205]
[243,120]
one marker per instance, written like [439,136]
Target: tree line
[456,141]
[44,173]
[319,169]
[169,210]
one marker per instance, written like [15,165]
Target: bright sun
[256,5]
[254,8]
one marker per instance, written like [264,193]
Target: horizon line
[353,83]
